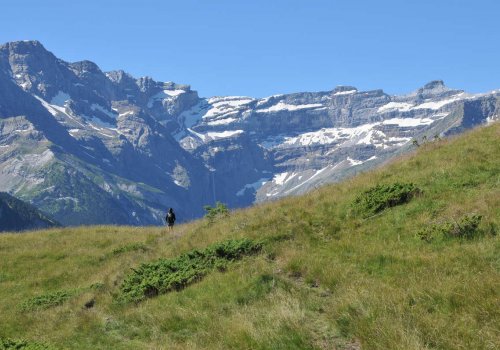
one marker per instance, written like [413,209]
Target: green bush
[467,228]
[10,344]
[45,301]
[48,300]
[165,275]
[380,197]
[213,213]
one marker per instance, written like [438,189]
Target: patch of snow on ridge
[163,95]
[279,179]
[281,106]
[230,100]
[173,92]
[55,110]
[439,104]
[226,105]
[321,137]
[399,106]
[73,131]
[221,135]
[100,108]
[348,92]
[398,141]
[354,161]
[331,135]
[368,137]
[408,122]
[223,121]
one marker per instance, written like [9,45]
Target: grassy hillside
[323,271]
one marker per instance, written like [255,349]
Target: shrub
[11,344]
[467,228]
[213,213]
[48,300]
[165,275]
[45,301]
[380,197]
[431,232]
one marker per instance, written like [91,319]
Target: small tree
[214,213]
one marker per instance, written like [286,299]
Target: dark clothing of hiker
[170,218]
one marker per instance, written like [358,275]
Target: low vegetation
[467,228]
[165,275]
[220,211]
[380,197]
[342,267]
[11,344]
[48,300]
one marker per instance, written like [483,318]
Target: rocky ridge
[104,147]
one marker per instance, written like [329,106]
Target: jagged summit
[85,66]
[344,88]
[434,84]
[23,45]
[434,89]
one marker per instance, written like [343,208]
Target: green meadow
[403,257]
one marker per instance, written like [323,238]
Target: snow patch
[408,122]
[439,104]
[398,106]
[100,108]
[221,135]
[279,179]
[224,121]
[348,92]
[281,106]
[164,95]
[354,161]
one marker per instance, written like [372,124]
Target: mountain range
[94,147]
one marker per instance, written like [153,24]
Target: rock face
[16,215]
[94,147]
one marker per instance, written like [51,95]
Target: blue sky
[259,48]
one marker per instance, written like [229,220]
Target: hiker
[170,219]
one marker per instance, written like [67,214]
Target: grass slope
[325,278]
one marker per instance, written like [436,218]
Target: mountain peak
[344,88]
[435,84]
[85,66]
[434,89]
[24,46]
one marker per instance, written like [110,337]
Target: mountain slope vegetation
[16,215]
[420,273]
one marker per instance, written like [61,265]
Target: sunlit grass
[326,277]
